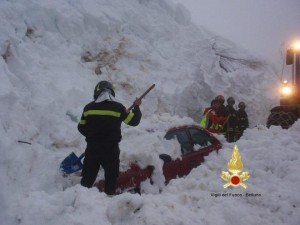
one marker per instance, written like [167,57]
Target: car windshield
[183,139]
[200,139]
[190,139]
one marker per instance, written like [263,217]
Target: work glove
[137,102]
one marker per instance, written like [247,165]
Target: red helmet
[220,98]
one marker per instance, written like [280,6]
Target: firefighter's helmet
[242,105]
[101,86]
[220,98]
[230,101]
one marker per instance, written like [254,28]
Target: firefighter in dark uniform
[101,125]
[242,120]
[222,109]
[231,124]
[222,112]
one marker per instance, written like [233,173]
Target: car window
[200,138]
[182,138]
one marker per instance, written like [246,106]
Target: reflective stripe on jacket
[204,120]
[101,122]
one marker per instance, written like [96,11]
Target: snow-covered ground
[54,53]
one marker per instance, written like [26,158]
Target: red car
[195,143]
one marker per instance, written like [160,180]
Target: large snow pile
[54,53]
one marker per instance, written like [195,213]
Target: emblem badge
[235,176]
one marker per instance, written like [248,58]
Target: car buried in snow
[195,143]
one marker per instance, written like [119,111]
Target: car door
[202,145]
[174,168]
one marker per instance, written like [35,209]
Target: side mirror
[165,157]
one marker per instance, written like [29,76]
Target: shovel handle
[142,96]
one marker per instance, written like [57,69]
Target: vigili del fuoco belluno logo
[235,175]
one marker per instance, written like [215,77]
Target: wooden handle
[142,96]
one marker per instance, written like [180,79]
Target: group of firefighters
[226,120]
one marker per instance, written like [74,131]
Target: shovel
[71,163]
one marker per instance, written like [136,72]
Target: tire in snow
[281,118]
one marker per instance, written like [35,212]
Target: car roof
[185,127]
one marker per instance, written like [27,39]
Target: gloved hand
[137,102]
